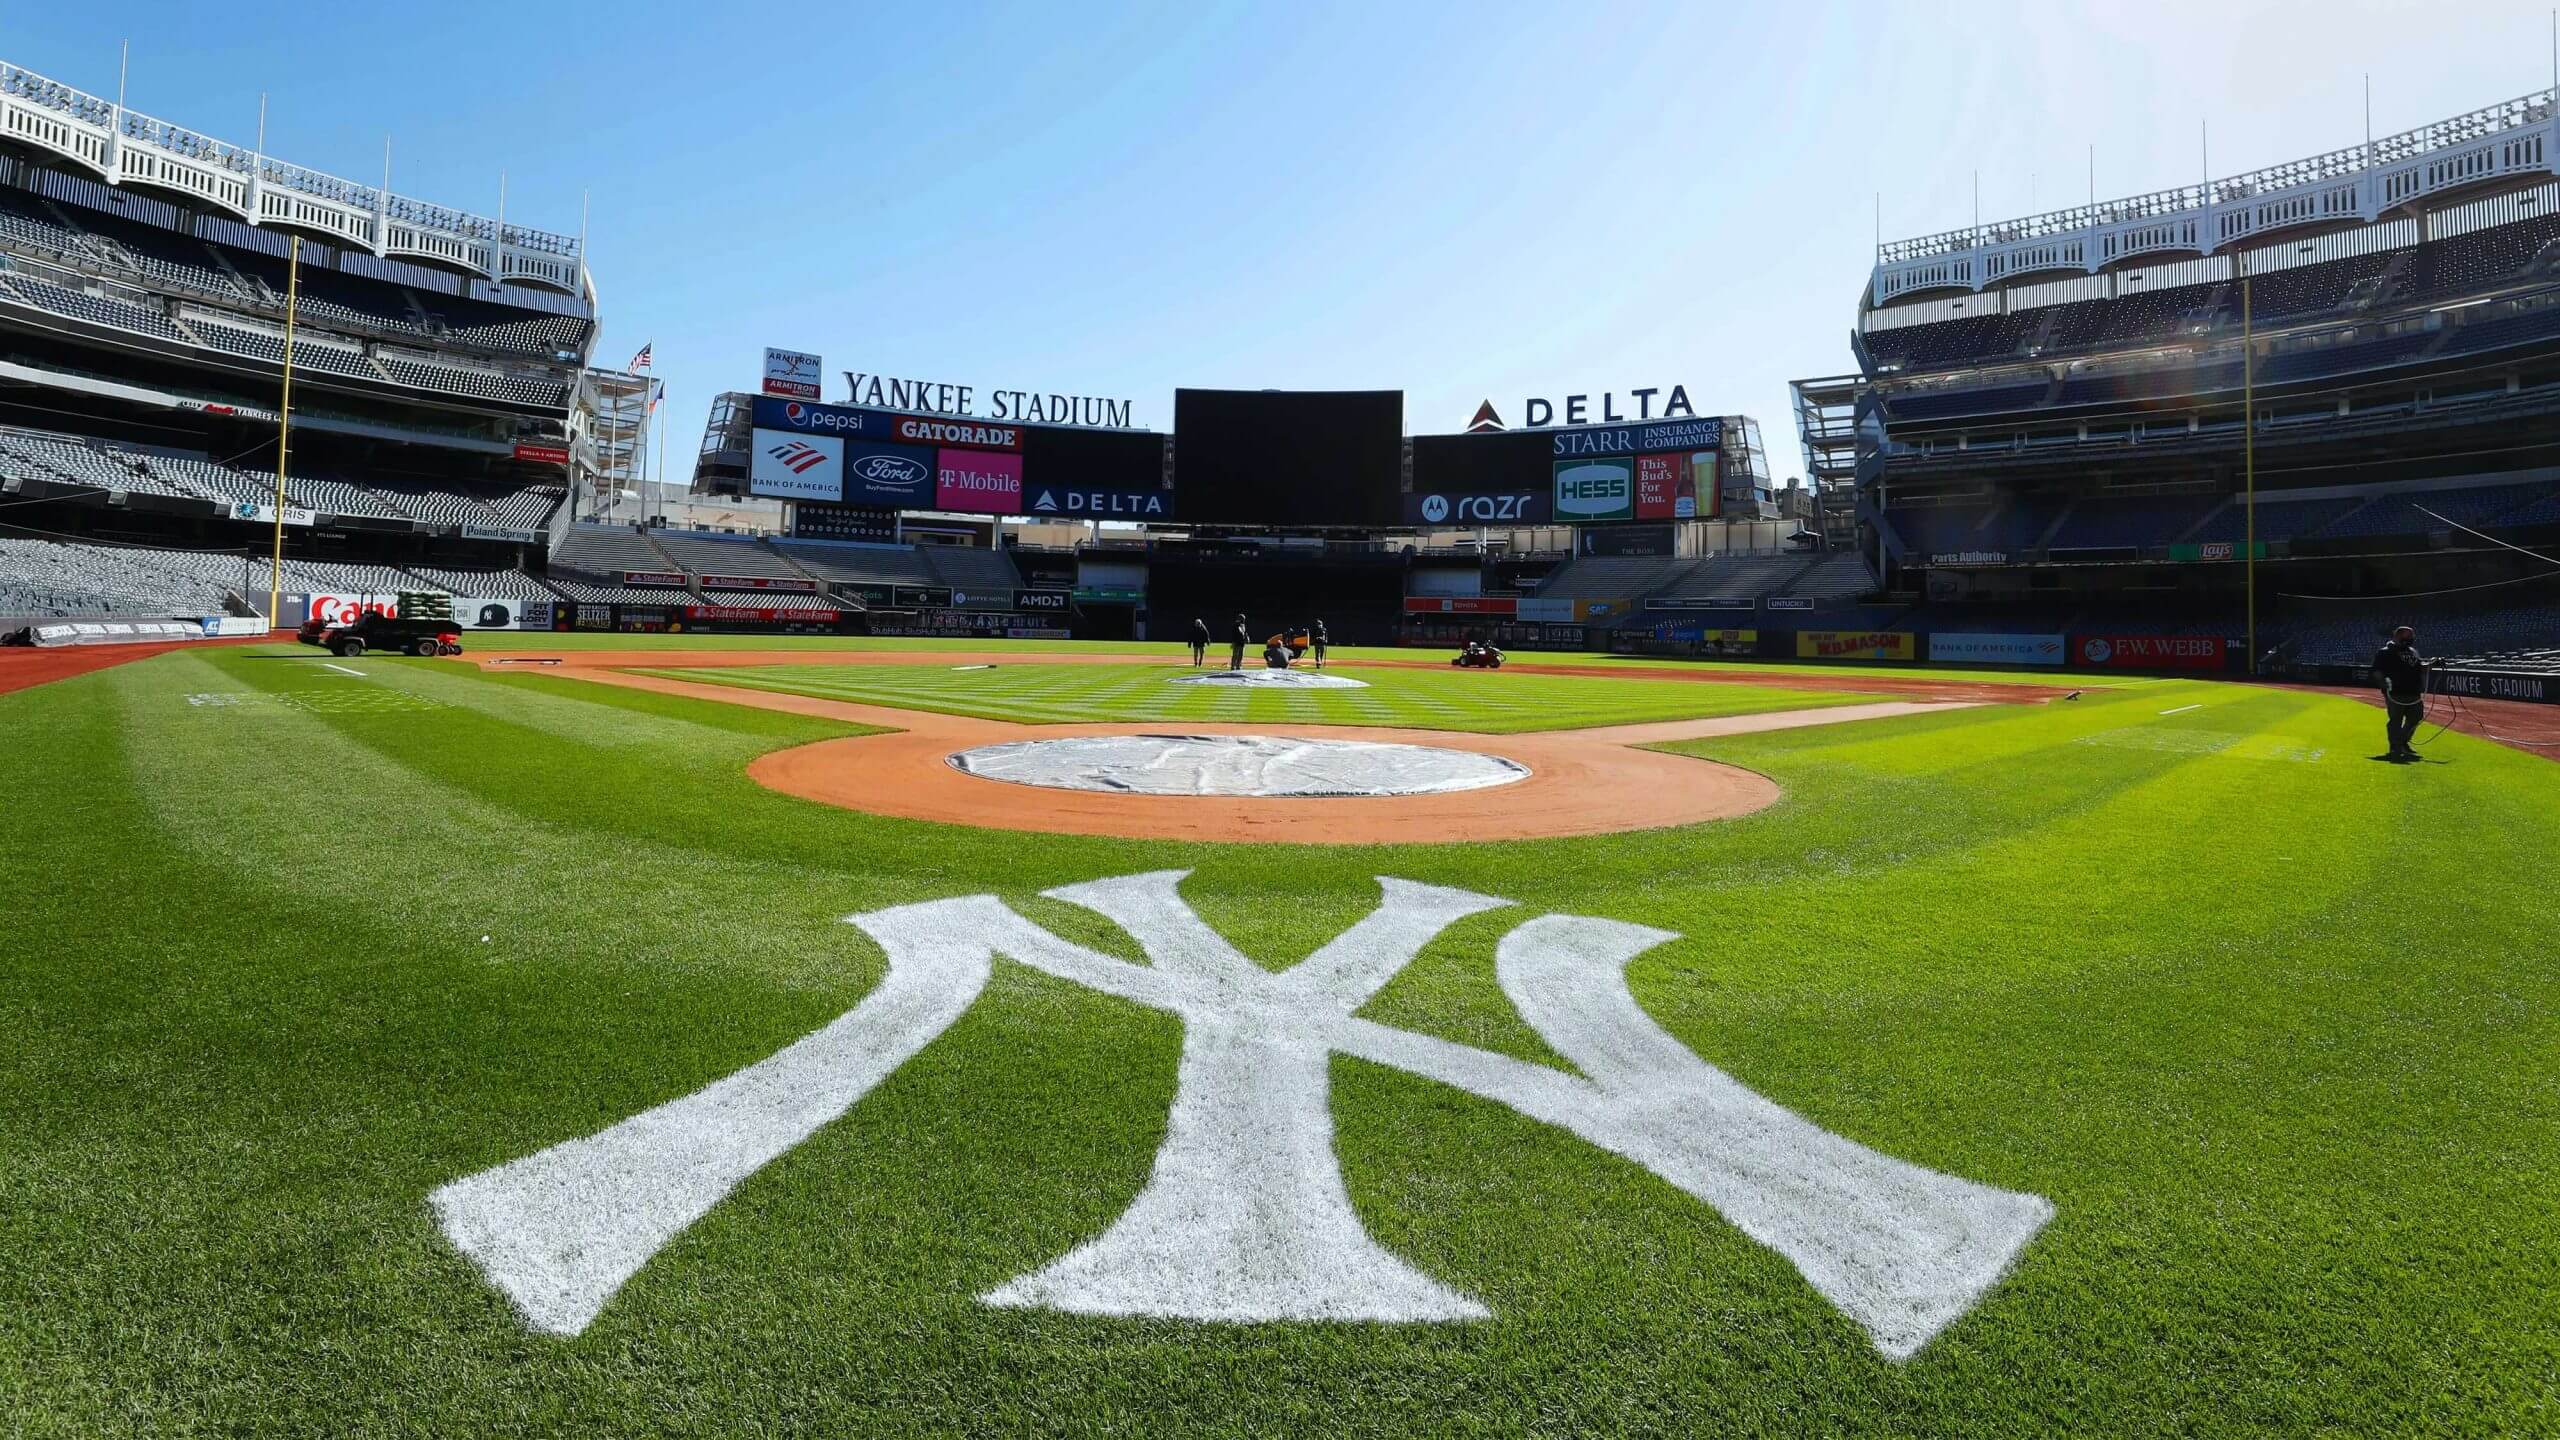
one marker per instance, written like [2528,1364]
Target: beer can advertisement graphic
[1700,498]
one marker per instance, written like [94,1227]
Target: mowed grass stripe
[2274,1035]
[1492,703]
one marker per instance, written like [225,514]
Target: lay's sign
[1855,645]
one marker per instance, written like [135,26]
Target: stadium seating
[2144,520]
[985,577]
[2277,519]
[705,555]
[862,564]
[605,552]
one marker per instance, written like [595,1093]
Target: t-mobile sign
[986,482]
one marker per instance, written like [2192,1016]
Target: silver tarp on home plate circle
[1270,680]
[1237,765]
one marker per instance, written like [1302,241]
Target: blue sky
[1465,202]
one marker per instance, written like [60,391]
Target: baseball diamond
[1223,789]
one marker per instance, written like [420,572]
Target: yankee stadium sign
[890,392]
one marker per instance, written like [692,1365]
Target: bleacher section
[72,460]
[1835,577]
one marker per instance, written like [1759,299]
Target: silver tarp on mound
[1272,680]
[1237,765]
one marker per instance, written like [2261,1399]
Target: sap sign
[796,467]
[895,476]
[1595,490]
[1082,503]
[808,418]
[1999,649]
[1517,507]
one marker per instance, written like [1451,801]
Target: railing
[123,145]
[2511,138]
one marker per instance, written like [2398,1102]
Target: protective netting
[1272,680]
[1237,765]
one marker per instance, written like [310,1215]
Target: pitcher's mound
[1272,680]
[1237,765]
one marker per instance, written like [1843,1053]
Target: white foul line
[2183,709]
[343,670]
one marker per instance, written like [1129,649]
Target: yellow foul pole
[284,433]
[2249,461]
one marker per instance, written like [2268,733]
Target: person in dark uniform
[1199,642]
[1236,660]
[2402,673]
[1315,638]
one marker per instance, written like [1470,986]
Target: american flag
[641,360]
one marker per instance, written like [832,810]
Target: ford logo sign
[894,472]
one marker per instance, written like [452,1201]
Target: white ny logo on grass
[1245,1217]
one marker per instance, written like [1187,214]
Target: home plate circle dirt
[1270,680]
[1238,766]
[1579,782]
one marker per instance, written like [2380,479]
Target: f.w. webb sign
[1245,1217]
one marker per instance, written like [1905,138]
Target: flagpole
[284,434]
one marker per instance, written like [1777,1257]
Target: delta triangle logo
[1245,1217]
[1487,418]
[1047,502]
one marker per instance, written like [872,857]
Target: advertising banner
[802,417]
[984,482]
[542,454]
[222,625]
[1999,649]
[654,577]
[920,597]
[1630,540]
[897,477]
[2492,685]
[1545,609]
[976,434]
[790,374]
[2150,652]
[1706,434]
[1085,503]
[1040,602]
[1513,507]
[1658,488]
[496,612]
[2215,550]
[346,609]
[1460,605]
[1690,632]
[757,582]
[1595,490]
[1855,645]
[796,467]
[266,514]
[1609,609]
[757,614]
[1787,602]
[1702,602]
[494,532]
[814,520]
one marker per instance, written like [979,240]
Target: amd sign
[1515,507]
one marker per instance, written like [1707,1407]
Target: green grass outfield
[2275,1028]
[1429,699]
[536,642]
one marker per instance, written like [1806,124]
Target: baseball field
[671,1041]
